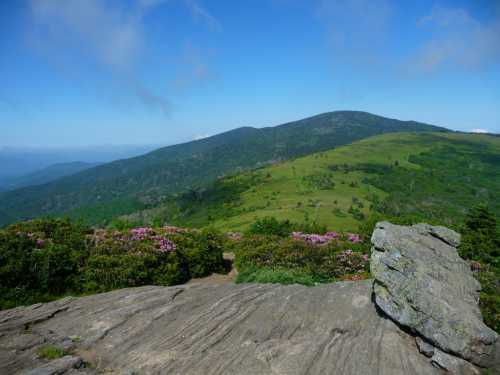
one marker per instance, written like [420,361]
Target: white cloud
[193,68]
[446,17]
[197,137]
[478,130]
[458,39]
[362,31]
[357,28]
[107,33]
[112,35]
[202,14]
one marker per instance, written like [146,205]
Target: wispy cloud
[458,39]
[111,34]
[357,28]
[367,33]
[194,68]
[107,33]
[202,14]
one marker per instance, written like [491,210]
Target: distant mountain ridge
[127,185]
[20,161]
[45,175]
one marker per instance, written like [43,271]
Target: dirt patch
[217,278]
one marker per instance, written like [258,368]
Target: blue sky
[92,72]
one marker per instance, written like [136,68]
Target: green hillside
[125,186]
[432,176]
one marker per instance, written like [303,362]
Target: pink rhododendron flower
[166,245]
[354,238]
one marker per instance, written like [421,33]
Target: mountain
[20,161]
[125,186]
[432,177]
[45,175]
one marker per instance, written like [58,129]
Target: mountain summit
[127,185]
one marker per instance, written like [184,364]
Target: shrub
[271,226]
[283,228]
[43,259]
[481,243]
[40,258]
[108,272]
[480,237]
[203,252]
[323,262]
[143,256]
[274,276]
[489,301]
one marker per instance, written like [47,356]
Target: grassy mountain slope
[433,176]
[125,186]
[47,174]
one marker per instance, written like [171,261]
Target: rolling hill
[129,185]
[434,177]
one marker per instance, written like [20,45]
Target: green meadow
[433,176]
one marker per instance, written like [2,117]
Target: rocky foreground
[419,316]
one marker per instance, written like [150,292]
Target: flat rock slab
[225,329]
[422,283]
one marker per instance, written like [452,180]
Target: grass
[296,189]
[50,352]
[274,276]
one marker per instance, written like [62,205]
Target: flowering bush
[328,237]
[38,259]
[42,259]
[325,257]
[349,262]
[163,256]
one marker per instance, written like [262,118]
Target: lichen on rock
[422,283]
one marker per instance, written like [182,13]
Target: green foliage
[43,259]
[356,213]
[480,237]
[203,252]
[107,272]
[283,228]
[271,226]
[117,261]
[321,263]
[50,352]
[489,301]
[481,243]
[40,258]
[321,181]
[450,180]
[274,276]
[122,224]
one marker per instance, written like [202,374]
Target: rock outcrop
[419,316]
[208,329]
[423,284]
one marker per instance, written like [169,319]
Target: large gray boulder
[422,283]
[214,329]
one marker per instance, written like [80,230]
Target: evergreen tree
[481,240]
